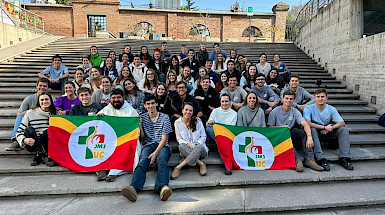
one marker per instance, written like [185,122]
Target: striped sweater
[35,118]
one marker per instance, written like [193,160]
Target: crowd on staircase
[181,96]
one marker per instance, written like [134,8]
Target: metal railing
[23,18]
[306,14]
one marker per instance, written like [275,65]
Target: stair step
[365,128]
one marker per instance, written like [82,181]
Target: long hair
[147,83]
[168,82]
[193,120]
[220,83]
[113,60]
[164,97]
[247,95]
[248,77]
[177,67]
[200,77]
[278,79]
[52,108]
[135,89]
[121,77]
[187,79]
[217,62]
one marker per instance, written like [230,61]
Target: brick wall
[334,38]
[58,18]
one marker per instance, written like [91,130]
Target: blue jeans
[163,172]
[210,134]
[19,117]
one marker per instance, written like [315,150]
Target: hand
[324,132]
[29,141]
[190,146]
[211,107]
[200,97]
[329,128]
[211,122]
[286,126]
[301,107]
[309,142]
[52,80]
[268,110]
[152,157]
[62,112]
[271,104]
[100,114]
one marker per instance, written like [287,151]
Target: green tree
[189,6]
[65,2]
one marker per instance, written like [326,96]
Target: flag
[85,143]
[254,148]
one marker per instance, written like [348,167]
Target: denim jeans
[19,117]
[163,171]
[210,134]
[341,134]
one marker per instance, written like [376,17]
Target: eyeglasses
[150,103]
[260,79]
[181,88]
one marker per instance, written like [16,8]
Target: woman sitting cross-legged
[191,137]
[32,132]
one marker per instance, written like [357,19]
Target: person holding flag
[120,108]
[155,128]
[287,116]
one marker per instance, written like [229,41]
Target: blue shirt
[322,117]
[213,55]
[281,67]
[53,73]
[154,131]
[278,117]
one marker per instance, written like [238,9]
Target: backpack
[381,120]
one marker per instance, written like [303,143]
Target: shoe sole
[127,192]
[165,195]
[110,179]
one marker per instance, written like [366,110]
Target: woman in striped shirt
[32,132]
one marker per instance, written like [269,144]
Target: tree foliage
[65,2]
[189,6]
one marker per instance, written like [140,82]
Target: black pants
[59,85]
[41,143]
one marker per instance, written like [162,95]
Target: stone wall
[333,38]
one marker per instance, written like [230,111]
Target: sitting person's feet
[111,178]
[102,175]
[228,171]
[165,193]
[313,165]
[298,166]
[130,193]
[324,163]
[202,168]
[175,173]
[15,146]
[345,163]
[36,160]
[51,163]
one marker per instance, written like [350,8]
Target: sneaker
[228,171]
[111,178]
[313,165]
[130,193]
[324,163]
[165,193]
[175,173]
[102,175]
[298,166]
[345,162]
[51,163]
[15,146]
[36,160]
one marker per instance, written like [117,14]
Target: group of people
[182,96]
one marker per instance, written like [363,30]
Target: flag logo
[253,151]
[92,143]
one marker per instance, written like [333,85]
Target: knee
[343,130]
[163,156]
[29,130]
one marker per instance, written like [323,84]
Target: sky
[260,6]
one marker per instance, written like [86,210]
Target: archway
[252,31]
[199,30]
[142,29]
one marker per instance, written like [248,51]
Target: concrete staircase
[59,191]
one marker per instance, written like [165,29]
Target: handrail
[23,18]
[306,14]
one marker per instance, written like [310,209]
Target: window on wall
[374,16]
[96,23]
[252,32]
[199,30]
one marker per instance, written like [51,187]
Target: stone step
[365,128]
[327,86]
[354,109]
[367,139]
[349,118]
[321,196]
[85,183]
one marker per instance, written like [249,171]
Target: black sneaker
[36,160]
[51,163]
[228,171]
[324,163]
[345,162]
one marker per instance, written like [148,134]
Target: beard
[117,104]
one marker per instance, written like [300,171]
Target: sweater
[35,118]
[245,115]
[227,117]
[95,60]
[63,103]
